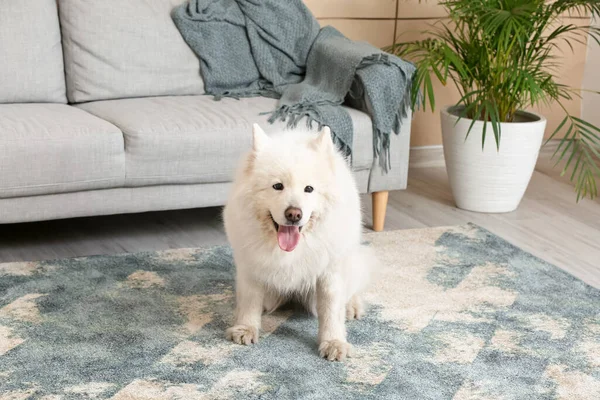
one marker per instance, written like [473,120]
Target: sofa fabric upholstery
[121,49]
[122,200]
[31,58]
[194,139]
[138,135]
[111,201]
[55,148]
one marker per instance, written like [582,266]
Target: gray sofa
[102,112]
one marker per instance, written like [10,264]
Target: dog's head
[292,177]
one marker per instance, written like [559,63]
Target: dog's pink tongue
[288,237]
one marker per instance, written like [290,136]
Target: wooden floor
[548,224]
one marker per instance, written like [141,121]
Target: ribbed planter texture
[490,180]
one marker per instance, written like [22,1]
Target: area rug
[456,313]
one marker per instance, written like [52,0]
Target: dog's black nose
[293,214]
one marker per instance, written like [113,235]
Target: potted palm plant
[501,55]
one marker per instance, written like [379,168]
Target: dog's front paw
[335,350]
[242,334]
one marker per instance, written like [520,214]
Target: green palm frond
[502,57]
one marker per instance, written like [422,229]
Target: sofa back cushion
[119,49]
[31,58]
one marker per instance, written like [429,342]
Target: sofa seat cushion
[118,49]
[55,148]
[31,57]
[194,139]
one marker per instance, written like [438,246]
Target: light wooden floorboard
[548,224]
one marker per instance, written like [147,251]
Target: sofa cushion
[194,139]
[31,59]
[54,148]
[119,49]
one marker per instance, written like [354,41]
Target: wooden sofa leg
[380,200]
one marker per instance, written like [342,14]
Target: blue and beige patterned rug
[457,313]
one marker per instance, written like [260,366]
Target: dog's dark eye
[308,189]
[278,186]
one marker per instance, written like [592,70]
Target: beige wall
[590,109]
[373,21]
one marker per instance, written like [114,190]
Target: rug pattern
[456,313]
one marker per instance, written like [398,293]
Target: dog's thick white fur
[313,252]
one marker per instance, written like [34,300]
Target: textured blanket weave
[276,48]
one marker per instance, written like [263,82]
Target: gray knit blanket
[276,48]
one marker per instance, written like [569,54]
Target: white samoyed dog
[293,219]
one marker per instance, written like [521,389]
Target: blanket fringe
[311,111]
[382,140]
[294,114]
[381,137]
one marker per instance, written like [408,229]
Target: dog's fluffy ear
[259,138]
[324,142]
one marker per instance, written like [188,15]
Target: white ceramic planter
[489,180]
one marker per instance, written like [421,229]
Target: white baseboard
[426,156]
